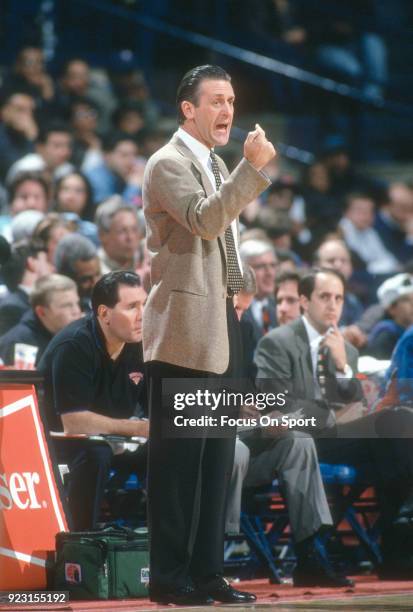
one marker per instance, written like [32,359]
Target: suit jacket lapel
[272,309]
[248,316]
[201,176]
[199,171]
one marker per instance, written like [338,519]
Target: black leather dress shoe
[184,596]
[317,575]
[220,590]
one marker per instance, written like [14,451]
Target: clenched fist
[335,342]
[257,149]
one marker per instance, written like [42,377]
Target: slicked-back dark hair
[106,290]
[188,88]
[307,282]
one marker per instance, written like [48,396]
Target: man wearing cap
[396,297]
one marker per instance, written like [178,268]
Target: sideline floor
[368,594]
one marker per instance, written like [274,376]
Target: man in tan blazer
[190,329]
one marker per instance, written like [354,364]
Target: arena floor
[368,594]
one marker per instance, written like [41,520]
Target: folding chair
[354,507]
[124,501]
[265,523]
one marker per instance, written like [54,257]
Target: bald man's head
[334,254]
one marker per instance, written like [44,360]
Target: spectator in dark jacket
[77,258]
[18,129]
[118,173]
[30,71]
[54,304]
[394,222]
[28,263]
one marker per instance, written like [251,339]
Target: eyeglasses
[264,266]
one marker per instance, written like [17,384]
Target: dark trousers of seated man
[188,481]
[385,460]
[90,464]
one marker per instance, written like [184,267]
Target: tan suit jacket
[184,321]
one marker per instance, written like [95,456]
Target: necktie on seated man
[321,370]
[235,278]
[266,320]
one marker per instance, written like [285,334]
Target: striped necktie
[235,279]
[321,372]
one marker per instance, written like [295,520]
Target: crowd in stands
[345,42]
[72,156]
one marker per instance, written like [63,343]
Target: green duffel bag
[109,564]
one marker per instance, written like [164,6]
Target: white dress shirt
[202,153]
[315,339]
[369,246]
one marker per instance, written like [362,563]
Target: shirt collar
[111,263]
[257,308]
[97,333]
[200,151]
[314,336]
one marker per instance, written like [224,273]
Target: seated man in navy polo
[93,382]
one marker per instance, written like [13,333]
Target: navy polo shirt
[80,375]
[29,330]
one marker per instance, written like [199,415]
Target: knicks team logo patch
[73,573]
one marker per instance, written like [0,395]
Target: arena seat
[265,524]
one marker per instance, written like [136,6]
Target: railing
[249,57]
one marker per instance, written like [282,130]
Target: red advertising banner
[31,512]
